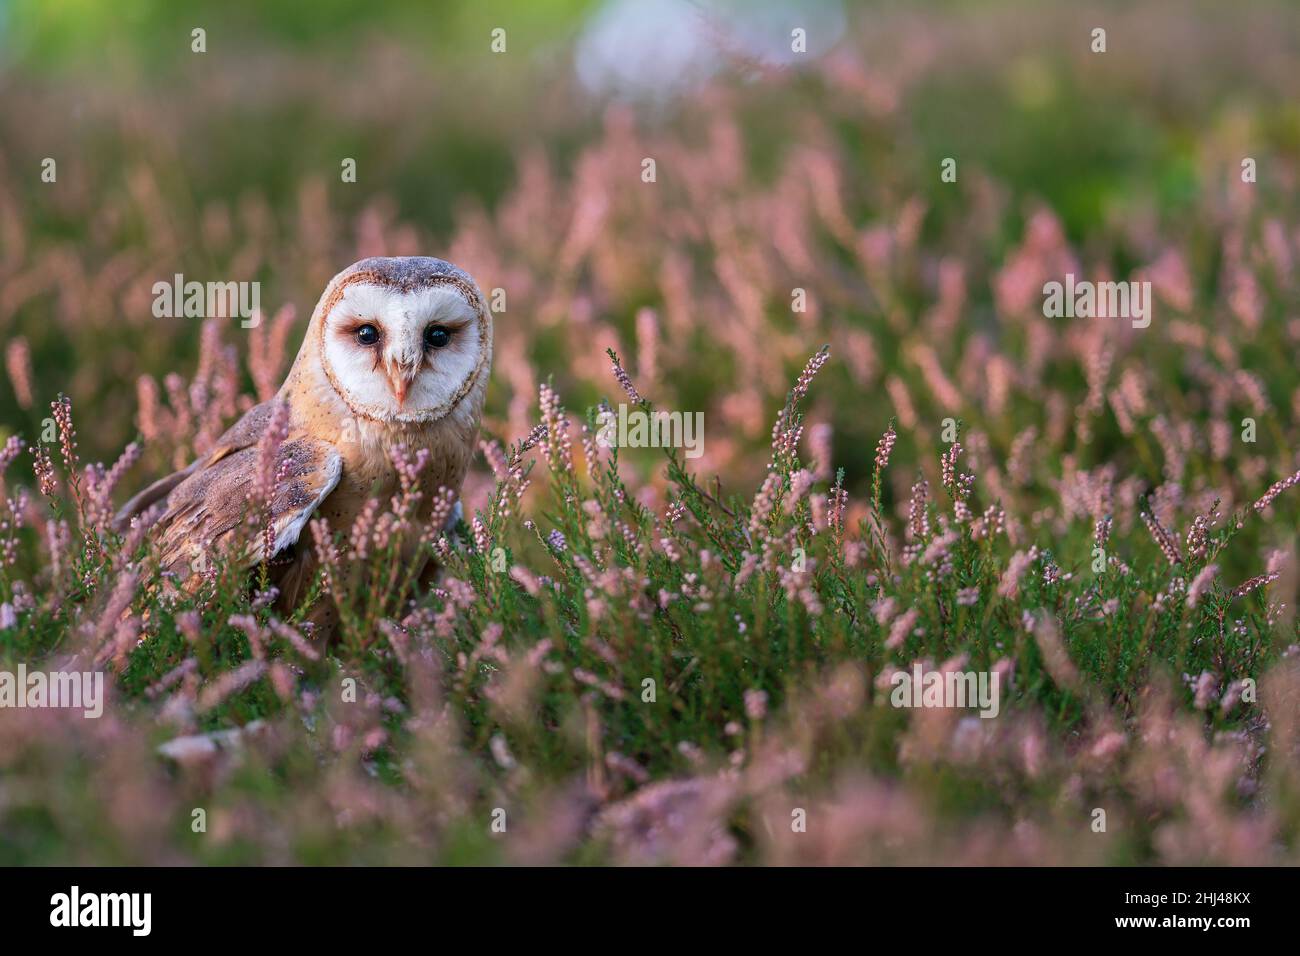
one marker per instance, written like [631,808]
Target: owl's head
[403,339]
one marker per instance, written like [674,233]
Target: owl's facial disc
[402,356]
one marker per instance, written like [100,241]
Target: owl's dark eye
[436,337]
[367,335]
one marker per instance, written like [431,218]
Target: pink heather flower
[1258,581]
[1108,745]
[1196,589]
[362,528]
[676,511]
[268,453]
[481,541]
[526,579]
[948,466]
[885,446]
[647,342]
[186,667]
[1009,585]
[785,435]
[918,520]
[989,525]
[530,441]
[883,610]
[764,502]
[836,502]
[938,550]
[558,447]
[1170,446]
[440,512]
[295,639]
[1198,537]
[902,626]
[1162,536]
[898,394]
[12,448]
[1019,465]
[130,455]
[819,445]
[936,381]
[623,378]
[811,601]
[755,704]
[810,372]
[231,682]
[612,691]
[62,409]
[968,597]
[254,631]
[1231,697]
[408,468]
[1252,388]
[18,363]
[1276,490]
[626,766]
[749,563]
[326,554]
[1207,686]
[147,400]
[800,483]
[43,468]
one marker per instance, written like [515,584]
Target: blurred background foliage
[1009,96]
[256,127]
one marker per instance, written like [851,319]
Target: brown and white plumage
[397,354]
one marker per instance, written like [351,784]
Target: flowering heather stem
[788,427]
[529,442]
[809,373]
[1276,490]
[918,520]
[1163,537]
[62,409]
[623,378]
[1251,584]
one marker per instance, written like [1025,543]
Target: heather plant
[631,655]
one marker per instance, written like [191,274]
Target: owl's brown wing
[243,434]
[207,506]
[210,512]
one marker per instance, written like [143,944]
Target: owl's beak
[400,379]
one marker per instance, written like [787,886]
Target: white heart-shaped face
[402,356]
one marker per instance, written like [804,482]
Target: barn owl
[397,354]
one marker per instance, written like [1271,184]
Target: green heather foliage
[633,656]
